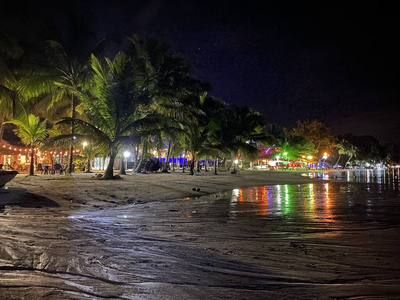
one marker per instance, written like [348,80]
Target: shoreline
[84,187]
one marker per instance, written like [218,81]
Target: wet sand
[151,236]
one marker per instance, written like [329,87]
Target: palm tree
[31,132]
[217,114]
[341,147]
[351,151]
[10,87]
[275,135]
[166,76]
[115,106]
[69,75]
[196,140]
[346,148]
[89,151]
[69,67]
[244,126]
[201,126]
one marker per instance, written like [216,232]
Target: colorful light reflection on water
[285,199]
[325,202]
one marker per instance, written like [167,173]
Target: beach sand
[172,236]
[147,187]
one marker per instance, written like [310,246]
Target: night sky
[332,60]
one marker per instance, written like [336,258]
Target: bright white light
[84,144]
[236,161]
[127,154]
[285,153]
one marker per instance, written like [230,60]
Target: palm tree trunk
[122,170]
[224,162]
[141,161]
[191,171]
[109,172]
[173,164]
[165,166]
[348,161]
[215,166]
[1,128]
[192,165]
[183,162]
[31,169]
[136,155]
[71,147]
[88,167]
[340,155]
[139,165]
[233,161]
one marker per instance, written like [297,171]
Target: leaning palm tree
[341,148]
[351,151]
[115,106]
[32,132]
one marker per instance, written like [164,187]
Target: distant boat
[6,176]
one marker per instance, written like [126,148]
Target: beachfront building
[276,158]
[12,157]
[18,158]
